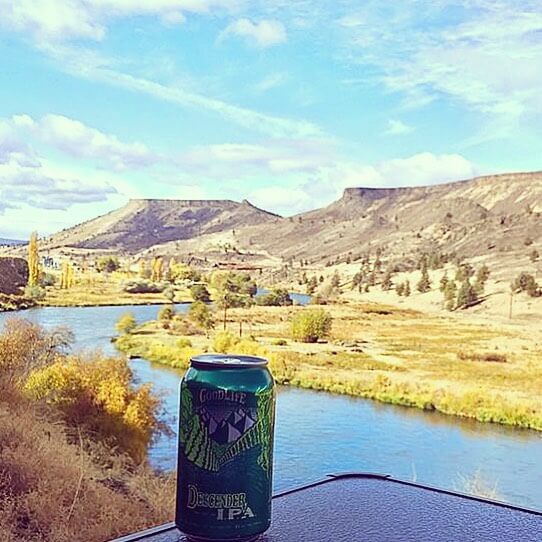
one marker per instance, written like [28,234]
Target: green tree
[107,264]
[386,281]
[450,293]
[166,313]
[202,316]
[525,282]
[33,260]
[424,284]
[278,297]
[310,325]
[466,295]
[200,292]
[126,323]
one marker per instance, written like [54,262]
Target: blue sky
[284,103]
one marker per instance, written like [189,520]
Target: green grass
[406,358]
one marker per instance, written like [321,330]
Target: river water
[319,433]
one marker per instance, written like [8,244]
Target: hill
[477,217]
[142,223]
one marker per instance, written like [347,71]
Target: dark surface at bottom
[380,509]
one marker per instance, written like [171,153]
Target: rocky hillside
[143,223]
[485,215]
[13,275]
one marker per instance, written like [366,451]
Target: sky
[281,102]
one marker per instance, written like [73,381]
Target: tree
[200,292]
[126,323]
[534,255]
[335,280]
[201,315]
[166,313]
[310,325]
[67,275]
[278,297]
[144,271]
[450,293]
[464,271]
[33,260]
[400,288]
[407,288]
[312,284]
[107,264]
[157,269]
[444,282]
[424,284]
[386,281]
[525,282]
[466,295]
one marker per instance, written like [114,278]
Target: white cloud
[62,20]
[273,80]
[81,64]
[80,141]
[397,127]
[265,33]
[484,58]
[275,157]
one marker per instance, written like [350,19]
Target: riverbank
[491,373]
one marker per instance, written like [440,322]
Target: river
[319,433]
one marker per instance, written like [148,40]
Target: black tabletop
[372,508]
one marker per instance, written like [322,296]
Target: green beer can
[225,459]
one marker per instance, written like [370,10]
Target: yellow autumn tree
[157,269]
[33,260]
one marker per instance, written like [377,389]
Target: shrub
[200,293]
[525,282]
[47,279]
[278,297]
[280,342]
[97,394]
[201,315]
[142,286]
[166,313]
[487,356]
[36,293]
[126,323]
[184,342]
[107,264]
[311,325]
[224,341]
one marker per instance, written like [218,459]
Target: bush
[36,293]
[224,341]
[280,342]
[97,395]
[107,264]
[526,282]
[200,293]
[311,325]
[184,342]
[126,323]
[47,279]
[278,297]
[166,313]
[201,315]
[143,286]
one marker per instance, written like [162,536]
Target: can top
[226,361]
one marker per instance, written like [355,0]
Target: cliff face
[13,275]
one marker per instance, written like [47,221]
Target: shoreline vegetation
[397,356]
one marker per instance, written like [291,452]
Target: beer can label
[225,461]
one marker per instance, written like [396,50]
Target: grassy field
[93,289]
[489,372]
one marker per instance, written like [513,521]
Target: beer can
[225,457]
